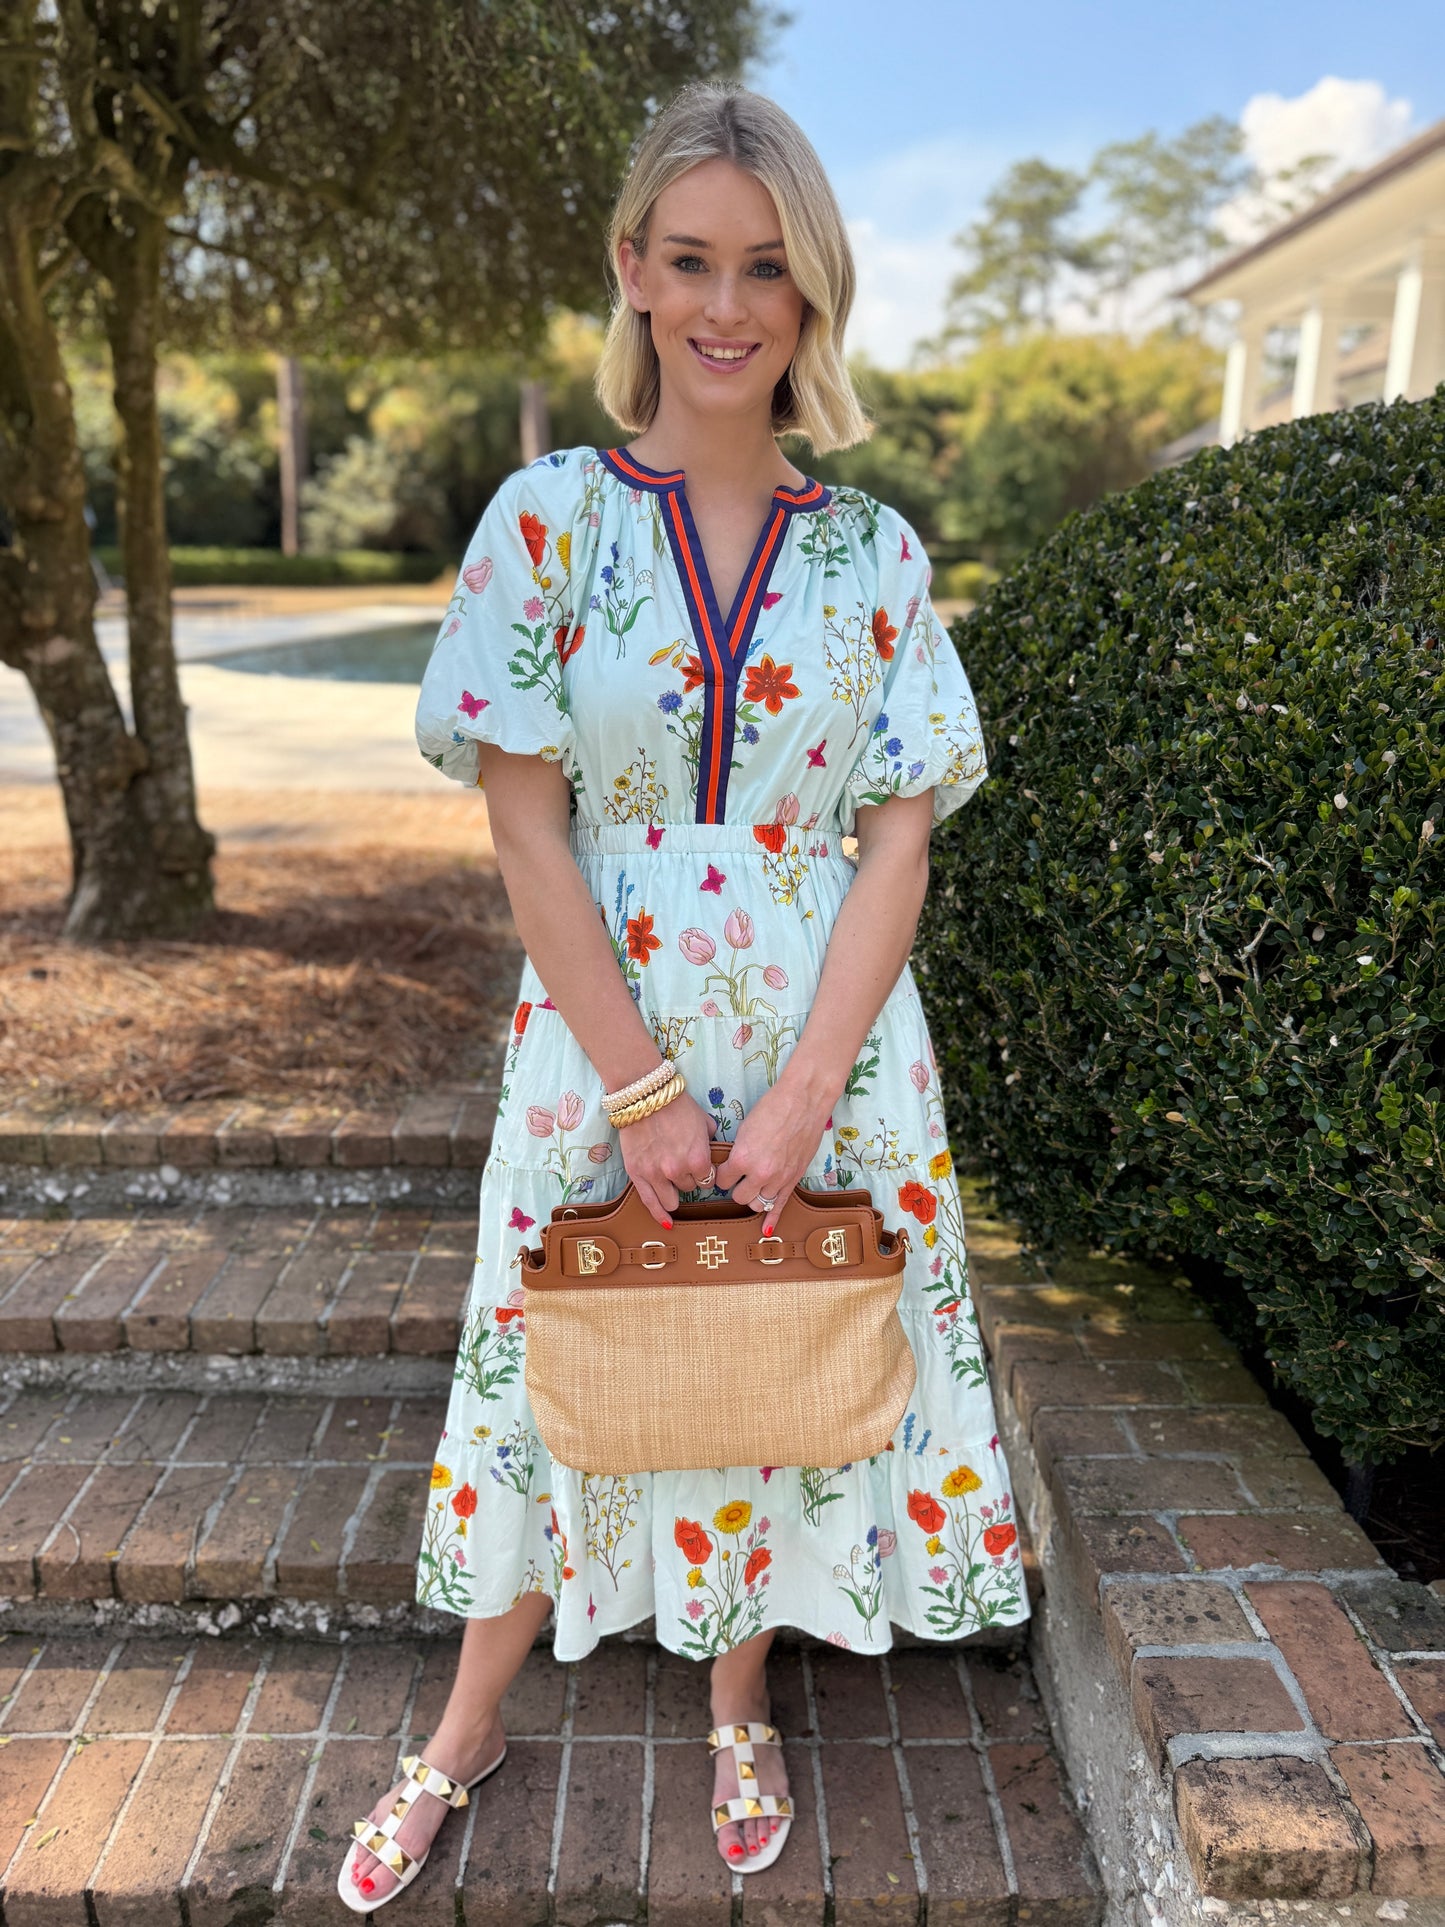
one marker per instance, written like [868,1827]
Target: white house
[1361,274]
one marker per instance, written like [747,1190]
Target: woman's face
[726,313]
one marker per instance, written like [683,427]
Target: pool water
[397,653]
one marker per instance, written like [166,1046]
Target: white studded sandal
[740,1737]
[379,1837]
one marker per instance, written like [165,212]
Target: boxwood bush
[1183,950]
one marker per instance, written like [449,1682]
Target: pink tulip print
[739,929]
[696,945]
[478,575]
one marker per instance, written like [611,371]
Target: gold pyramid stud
[740,1732]
[770,1732]
[400,1809]
[746,1770]
[720,1815]
[409,1762]
[463,1798]
[753,1809]
[783,1807]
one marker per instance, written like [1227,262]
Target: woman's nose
[726,301]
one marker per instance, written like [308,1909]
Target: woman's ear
[630,272]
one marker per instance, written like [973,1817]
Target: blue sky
[918,106]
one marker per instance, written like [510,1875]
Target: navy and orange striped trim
[722,646]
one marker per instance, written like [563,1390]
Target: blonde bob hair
[708,120]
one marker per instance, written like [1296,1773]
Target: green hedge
[240,568]
[1183,949]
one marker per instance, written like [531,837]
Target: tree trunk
[176,885]
[291,413]
[535,421]
[47,612]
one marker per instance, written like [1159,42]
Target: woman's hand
[668,1152]
[776,1142]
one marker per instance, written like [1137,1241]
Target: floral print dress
[716,763]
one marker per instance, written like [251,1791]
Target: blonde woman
[684,671]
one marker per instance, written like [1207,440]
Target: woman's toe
[730,1844]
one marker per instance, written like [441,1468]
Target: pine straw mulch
[351,975]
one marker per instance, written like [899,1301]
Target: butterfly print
[714,880]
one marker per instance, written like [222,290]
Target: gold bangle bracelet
[654,1101]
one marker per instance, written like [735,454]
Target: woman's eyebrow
[691,241]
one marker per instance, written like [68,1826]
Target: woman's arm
[563,933]
[869,945]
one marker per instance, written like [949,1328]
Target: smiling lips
[724,356]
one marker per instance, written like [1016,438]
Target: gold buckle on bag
[653,1244]
[774,1240]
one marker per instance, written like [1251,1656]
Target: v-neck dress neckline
[722,646]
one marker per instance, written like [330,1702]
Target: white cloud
[1353,120]
[903,284]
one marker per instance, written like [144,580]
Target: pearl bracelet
[654,1101]
[654,1080]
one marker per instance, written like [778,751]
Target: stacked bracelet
[654,1101]
[615,1101]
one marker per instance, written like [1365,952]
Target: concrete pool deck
[260,732]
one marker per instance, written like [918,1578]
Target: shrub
[1187,936]
[237,568]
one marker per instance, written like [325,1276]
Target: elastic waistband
[661,838]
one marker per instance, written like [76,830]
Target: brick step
[437,1127]
[215,1781]
[356,1281]
[229,1507]
[217,1510]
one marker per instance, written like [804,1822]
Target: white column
[1404,326]
[1241,382]
[1417,333]
[1317,359]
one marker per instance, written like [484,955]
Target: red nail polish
[767,1231]
[667,1223]
[367,1884]
[734,1851]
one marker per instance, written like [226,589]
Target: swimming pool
[397,653]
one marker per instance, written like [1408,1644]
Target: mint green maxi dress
[716,763]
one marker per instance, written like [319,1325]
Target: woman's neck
[721,456]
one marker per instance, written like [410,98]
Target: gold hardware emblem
[835,1246]
[712,1251]
[589,1256]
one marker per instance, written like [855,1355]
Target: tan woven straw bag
[710,1345]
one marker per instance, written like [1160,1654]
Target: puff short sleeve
[495,670]
[926,732]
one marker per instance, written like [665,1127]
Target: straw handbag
[711,1345]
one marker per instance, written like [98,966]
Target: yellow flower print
[829,610]
[961,1479]
[481,1431]
[930,1234]
[733,1517]
[847,1132]
[940,1165]
[694,1578]
[439,1475]
[564,549]
[461,1528]
[934,1545]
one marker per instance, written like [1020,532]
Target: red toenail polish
[367,1884]
[733,1852]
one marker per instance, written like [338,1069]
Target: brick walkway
[222,1777]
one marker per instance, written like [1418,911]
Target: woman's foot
[740,1840]
[461,1758]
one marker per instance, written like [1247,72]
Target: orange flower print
[768,684]
[692,675]
[925,1511]
[464,1501]
[567,650]
[640,941]
[918,1199]
[534,534]
[996,1539]
[772,836]
[692,1542]
[758,1561]
[884,634]
[519,1020]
